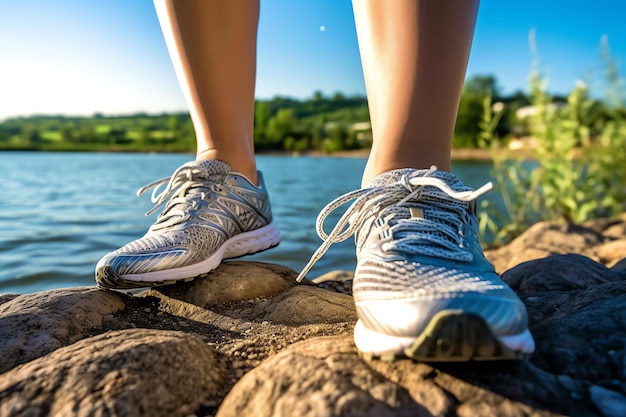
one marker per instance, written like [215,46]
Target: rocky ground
[247,341]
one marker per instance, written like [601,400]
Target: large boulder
[602,240]
[123,373]
[33,325]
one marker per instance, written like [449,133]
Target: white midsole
[239,245]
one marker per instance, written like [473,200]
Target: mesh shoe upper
[418,254]
[206,205]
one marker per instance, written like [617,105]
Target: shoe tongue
[211,166]
[395,176]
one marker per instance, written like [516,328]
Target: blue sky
[86,56]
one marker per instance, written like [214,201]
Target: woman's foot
[212,214]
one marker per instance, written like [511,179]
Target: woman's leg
[422,286]
[213,47]
[212,44]
[414,56]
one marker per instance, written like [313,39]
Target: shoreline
[457,154]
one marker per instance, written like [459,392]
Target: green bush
[579,171]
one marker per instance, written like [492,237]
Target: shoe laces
[187,184]
[407,233]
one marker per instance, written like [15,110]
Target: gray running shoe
[213,214]
[422,286]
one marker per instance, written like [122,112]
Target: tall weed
[579,168]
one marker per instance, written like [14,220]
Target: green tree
[144,136]
[481,86]
[338,97]
[336,140]
[318,131]
[318,96]
[261,114]
[279,128]
[66,133]
[30,135]
[173,123]
[87,134]
[476,89]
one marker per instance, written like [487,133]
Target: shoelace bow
[180,183]
[385,201]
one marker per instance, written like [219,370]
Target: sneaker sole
[240,245]
[451,336]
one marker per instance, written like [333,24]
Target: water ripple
[60,212]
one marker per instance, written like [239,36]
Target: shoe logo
[417,213]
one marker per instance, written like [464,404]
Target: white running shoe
[213,214]
[422,286]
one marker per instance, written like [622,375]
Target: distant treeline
[323,123]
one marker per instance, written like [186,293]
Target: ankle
[238,163]
[376,167]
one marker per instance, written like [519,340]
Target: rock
[247,340]
[545,239]
[33,325]
[279,301]
[617,230]
[337,281]
[325,377]
[306,305]
[339,276]
[610,403]
[577,311]
[612,252]
[123,373]
[582,334]
[619,266]
[7,297]
[609,226]
[558,273]
[254,280]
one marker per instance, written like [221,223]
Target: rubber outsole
[453,336]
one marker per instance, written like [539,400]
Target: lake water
[60,212]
